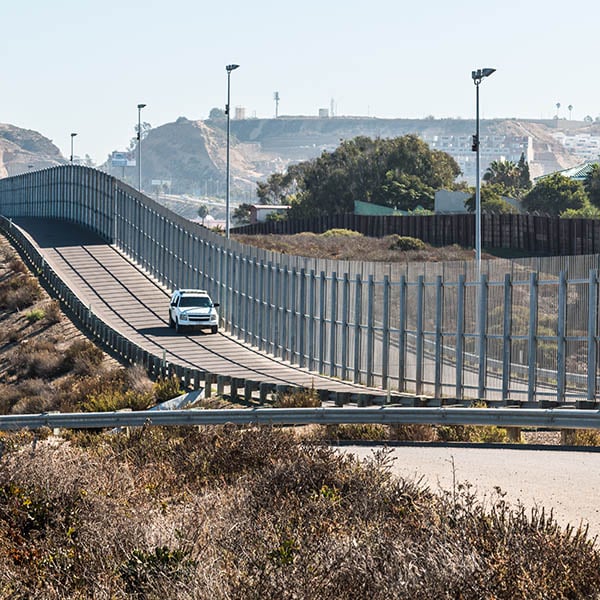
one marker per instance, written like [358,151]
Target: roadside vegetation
[345,244]
[253,513]
[237,512]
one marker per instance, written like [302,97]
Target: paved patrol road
[563,480]
[137,307]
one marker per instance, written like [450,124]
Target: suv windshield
[188,301]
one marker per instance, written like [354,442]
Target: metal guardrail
[502,417]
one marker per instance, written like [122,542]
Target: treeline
[403,173]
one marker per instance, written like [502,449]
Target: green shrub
[341,233]
[37,314]
[166,388]
[298,399]
[142,568]
[484,434]
[19,292]
[112,399]
[52,311]
[358,431]
[405,243]
[585,437]
[82,357]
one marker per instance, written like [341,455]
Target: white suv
[193,308]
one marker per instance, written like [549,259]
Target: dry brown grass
[251,513]
[354,247]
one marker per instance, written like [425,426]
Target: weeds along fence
[525,333]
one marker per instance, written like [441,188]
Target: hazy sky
[82,66]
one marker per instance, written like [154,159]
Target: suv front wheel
[178,327]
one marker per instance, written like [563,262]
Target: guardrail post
[265,388]
[209,379]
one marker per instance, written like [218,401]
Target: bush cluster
[405,243]
[251,513]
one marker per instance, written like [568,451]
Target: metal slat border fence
[525,334]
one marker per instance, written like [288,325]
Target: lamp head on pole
[230,68]
[478,75]
[73,135]
[140,106]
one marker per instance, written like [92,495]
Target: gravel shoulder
[568,482]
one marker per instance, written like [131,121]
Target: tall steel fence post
[439,315]
[561,338]
[507,337]
[482,333]
[592,345]
[460,335]
[532,338]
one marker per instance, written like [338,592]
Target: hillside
[23,149]
[191,155]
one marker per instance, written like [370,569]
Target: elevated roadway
[132,303]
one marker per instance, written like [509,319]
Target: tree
[513,178]
[524,183]
[202,212]
[491,200]
[144,130]
[555,194]
[592,185]
[502,172]
[402,172]
[241,215]
[216,114]
[589,211]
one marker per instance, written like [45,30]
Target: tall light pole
[228,68]
[477,77]
[72,136]
[139,145]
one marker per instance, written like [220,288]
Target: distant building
[583,144]
[577,173]
[492,148]
[240,113]
[260,212]
[323,113]
[447,202]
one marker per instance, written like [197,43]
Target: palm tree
[570,107]
[202,212]
[503,172]
[557,109]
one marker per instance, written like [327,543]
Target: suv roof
[192,291]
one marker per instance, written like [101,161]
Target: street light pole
[228,68]
[72,136]
[139,145]
[477,76]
